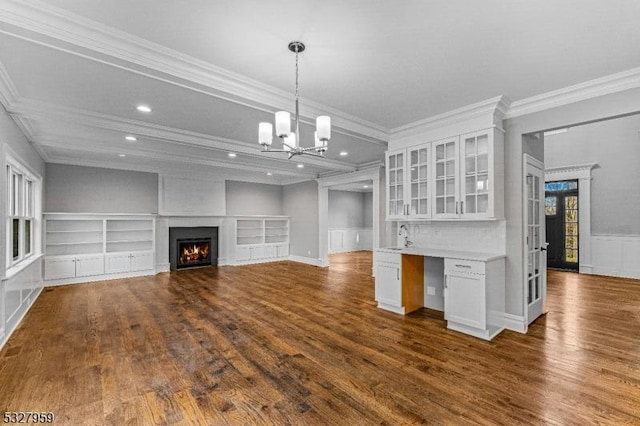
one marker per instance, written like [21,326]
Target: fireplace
[194,252]
[191,247]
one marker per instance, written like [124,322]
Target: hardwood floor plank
[287,343]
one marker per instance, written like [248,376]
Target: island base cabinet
[474,296]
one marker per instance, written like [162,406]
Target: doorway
[561,216]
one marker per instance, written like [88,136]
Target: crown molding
[607,85]
[582,171]
[495,108]
[8,92]
[60,25]
[80,145]
[30,108]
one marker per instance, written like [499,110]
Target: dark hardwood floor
[287,343]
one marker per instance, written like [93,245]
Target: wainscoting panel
[351,239]
[19,292]
[616,255]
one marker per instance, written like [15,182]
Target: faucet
[404,233]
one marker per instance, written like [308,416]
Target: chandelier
[291,140]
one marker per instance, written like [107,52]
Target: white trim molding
[77,35]
[515,323]
[372,173]
[607,85]
[308,261]
[583,174]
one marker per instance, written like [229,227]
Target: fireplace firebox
[194,252]
[191,247]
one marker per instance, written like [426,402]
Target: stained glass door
[561,213]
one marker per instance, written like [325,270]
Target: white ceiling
[73,70]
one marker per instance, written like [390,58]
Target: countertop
[444,253]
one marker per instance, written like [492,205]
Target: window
[21,212]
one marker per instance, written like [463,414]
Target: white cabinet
[474,296]
[455,178]
[69,266]
[260,239]
[95,246]
[409,183]
[117,263]
[399,284]
[388,286]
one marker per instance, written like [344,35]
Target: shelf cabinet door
[388,288]
[464,299]
[396,166]
[283,250]
[243,253]
[141,261]
[419,182]
[446,171]
[117,263]
[476,175]
[59,267]
[270,252]
[89,265]
[258,252]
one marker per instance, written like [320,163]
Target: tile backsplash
[481,236]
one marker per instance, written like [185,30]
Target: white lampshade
[265,133]
[289,142]
[323,127]
[283,123]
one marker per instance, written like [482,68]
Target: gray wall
[243,198]
[300,203]
[347,210]
[79,189]
[367,219]
[615,146]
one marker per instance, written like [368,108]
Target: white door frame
[527,162]
[583,174]
[373,174]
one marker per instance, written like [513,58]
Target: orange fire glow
[194,253]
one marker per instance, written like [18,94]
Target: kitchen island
[468,286]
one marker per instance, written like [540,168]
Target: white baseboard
[254,261]
[515,323]
[586,269]
[163,267]
[307,260]
[106,277]
[350,250]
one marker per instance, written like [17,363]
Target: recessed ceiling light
[121,155]
[366,186]
[233,155]
[131,138]
[269,174]
[143,108]
[300,166]
[343,153]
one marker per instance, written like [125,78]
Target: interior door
[535,246]
[561,211]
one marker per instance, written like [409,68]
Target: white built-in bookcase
[88,247]
[261,239]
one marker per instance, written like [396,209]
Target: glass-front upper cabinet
[396,206]
[420,182]
[481,174]
[446,174]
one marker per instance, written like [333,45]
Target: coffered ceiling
[72,72]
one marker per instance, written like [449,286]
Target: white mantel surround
[163,223]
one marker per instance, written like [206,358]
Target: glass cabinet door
[395,185]
[475,175]
[446,178]
[419,170]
